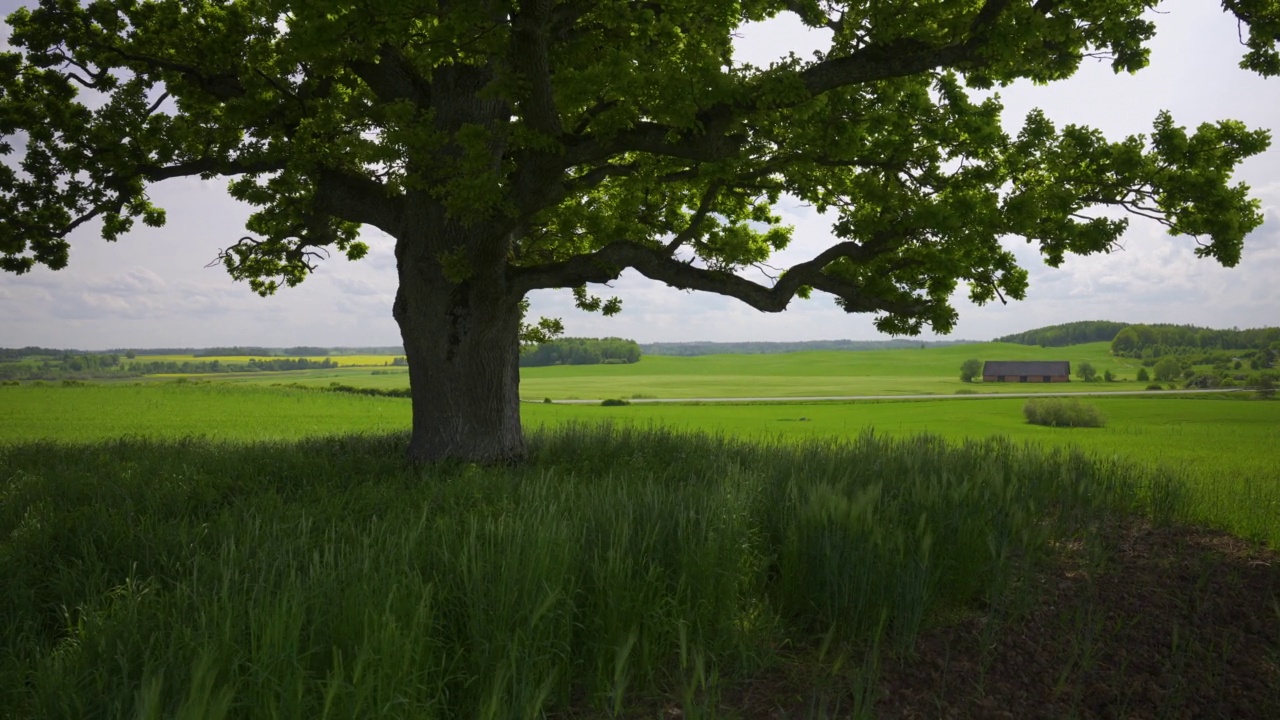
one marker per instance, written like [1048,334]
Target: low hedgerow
[1063,412]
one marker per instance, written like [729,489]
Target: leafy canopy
[568,140]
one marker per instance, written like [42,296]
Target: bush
[546,401]
[1155,386]
[1108,376]
[614,402]
[1062,412]
[970,369]
[1143,376]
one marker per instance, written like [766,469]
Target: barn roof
[1026,367]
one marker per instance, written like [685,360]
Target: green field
[1229,448]
[247,549]
[343,360]
[181,408]
[932,371]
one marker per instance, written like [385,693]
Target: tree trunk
[461,340]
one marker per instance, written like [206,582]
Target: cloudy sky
[153,289]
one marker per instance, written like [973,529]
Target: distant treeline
[109,365]
[688,349]
[300,351]
[1072,333]
[581,351]
[9,354]
[1136,340]
[157,367]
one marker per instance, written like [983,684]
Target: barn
[1026,371]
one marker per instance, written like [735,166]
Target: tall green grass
[322,578]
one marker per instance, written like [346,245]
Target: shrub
[1062,412]
[1108,376]
[970,369]
[1155,386]
[1143,376]
[546,401]
[614,402]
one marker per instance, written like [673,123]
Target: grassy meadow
[242,549]
[1229,449]
[618,569]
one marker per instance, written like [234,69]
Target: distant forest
[686,349]
[1148,341]
[1073,333]
[581,351]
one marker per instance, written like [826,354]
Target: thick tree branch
[208,167]
[356,198]
[223,86]
[606,264]
[531,60]
[393,78]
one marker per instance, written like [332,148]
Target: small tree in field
[1143,376]
[970,369]
[513,145]
[1086,372]
[1167,369]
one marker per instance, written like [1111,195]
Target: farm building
[1026,371]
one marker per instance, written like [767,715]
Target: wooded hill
[1072,333]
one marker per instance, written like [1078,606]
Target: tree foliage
[513,145]
[1167,369]
[629,139]
[970,369]
[1086,372]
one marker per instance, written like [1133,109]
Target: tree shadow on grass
[1138,622]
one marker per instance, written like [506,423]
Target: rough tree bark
[461,339]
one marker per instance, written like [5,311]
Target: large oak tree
[512,145]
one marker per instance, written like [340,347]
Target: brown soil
[1141,623]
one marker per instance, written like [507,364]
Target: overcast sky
[152,289]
